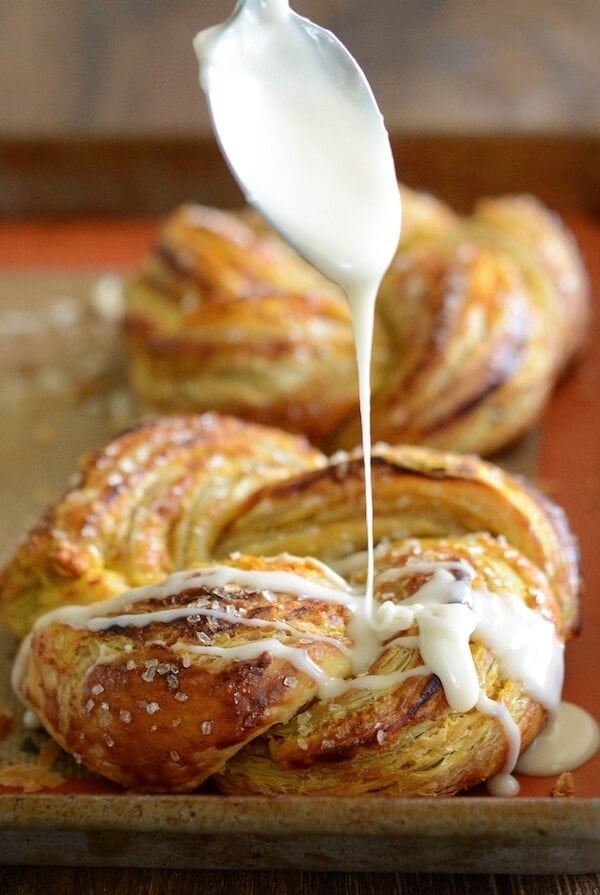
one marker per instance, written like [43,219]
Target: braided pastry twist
[477,319]
[220,624]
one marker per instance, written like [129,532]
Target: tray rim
[216,812]
[464,834]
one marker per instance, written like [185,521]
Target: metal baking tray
[63,392]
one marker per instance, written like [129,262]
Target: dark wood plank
[127,67]
[99,881]
[150,176]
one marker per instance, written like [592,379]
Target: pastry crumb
[29,778]
[49,754]
[564,786]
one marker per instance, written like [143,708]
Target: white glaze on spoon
[303,135]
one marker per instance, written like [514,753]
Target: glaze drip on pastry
[432,607]
[325,176]
[264,669]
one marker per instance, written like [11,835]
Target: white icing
[570,739]
[444,615]
[300,128]
[529,652]
[444,633]
[503,783]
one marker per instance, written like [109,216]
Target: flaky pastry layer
[476,320]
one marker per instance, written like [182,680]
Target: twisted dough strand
[148,503]
[417,492]
[484,314]
[223,316]
[476,320]
[400,740]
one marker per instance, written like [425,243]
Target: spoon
[301,131]
[302,134]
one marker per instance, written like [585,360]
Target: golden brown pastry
[404,738]
[139,704]
[417,492]
[477,319]
[484,315]
[223,316]
[249,653]
[150,502]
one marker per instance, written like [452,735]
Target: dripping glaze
[324,177]
[448,611]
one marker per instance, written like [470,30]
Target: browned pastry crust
[257,722]
[484,315]
[138,706]
[150,502]
[476,320]
[402,740]
[417,492]
[223,316]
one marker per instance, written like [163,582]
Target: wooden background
[126,67]
[100,109]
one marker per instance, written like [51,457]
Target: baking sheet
[63,393]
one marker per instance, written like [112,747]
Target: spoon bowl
[302,134]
